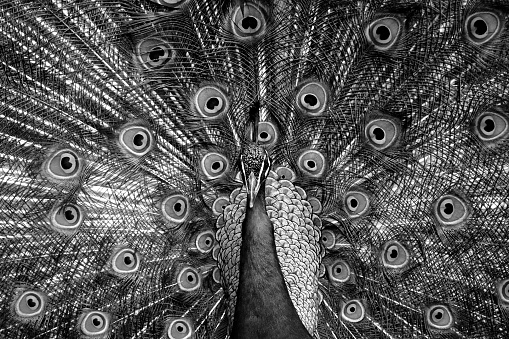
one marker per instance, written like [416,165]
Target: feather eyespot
[94,323]
[285,173]
[189,279]
[216,275]
[353,311]
[312,98]
[503,292]
[356,203]
[439,317]
[66,218]
[395,255]
[481,27]
[267,134]
[125,261]
[248,22]
[175,208]
[211,101]
[219,205]
[451,210]
[154,53]
[29,304]
[382,133]
[204,242]
[339,271]
[384,32]
[63,164]
[214,165]
[328,239]
[179,328]
[170,3]
[136,140]
[312,163]
[491,126]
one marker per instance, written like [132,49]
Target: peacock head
[255,165]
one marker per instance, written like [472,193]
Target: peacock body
[254,169]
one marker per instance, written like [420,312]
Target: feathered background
[121,127]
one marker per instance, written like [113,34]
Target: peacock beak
[253,186]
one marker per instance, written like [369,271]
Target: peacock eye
[211,101]
[312,98]
[248,22]
[205,241]
[353,311]
[137,140]
[503,292]
[384,32]
[451,210]
[216,275]
[125,261]
[180,328]
[189,279]
[439,317]
[381,133]
[30,304]
[312,163]
[219,205]
[394,255]
[63,164]
[491,126]
[214,165]
[328,239]
[65,218]
[316,205]
[170,3]
[95,323]
[267,134]
[154,53]
[481,27]
[286,173]
[356,203]
[339,271]
[175,208]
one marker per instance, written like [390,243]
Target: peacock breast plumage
[130,193]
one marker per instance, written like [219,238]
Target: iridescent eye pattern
[439,317]
[248,23]
[136,140]
[63,164]
[451,210]
[154,53]
[356,203]
[29,304]
[384,32]
[381,133]
[66,218]
[179,328]
[189,279]
[125,261]
[395,255]
[312,163]
[353,311]
[481,27]
[214,165]
[211,101]
[312,98]
[175,208]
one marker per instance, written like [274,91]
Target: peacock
[283,169]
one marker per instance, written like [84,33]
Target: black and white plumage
[156,157]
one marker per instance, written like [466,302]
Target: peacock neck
[264,308]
